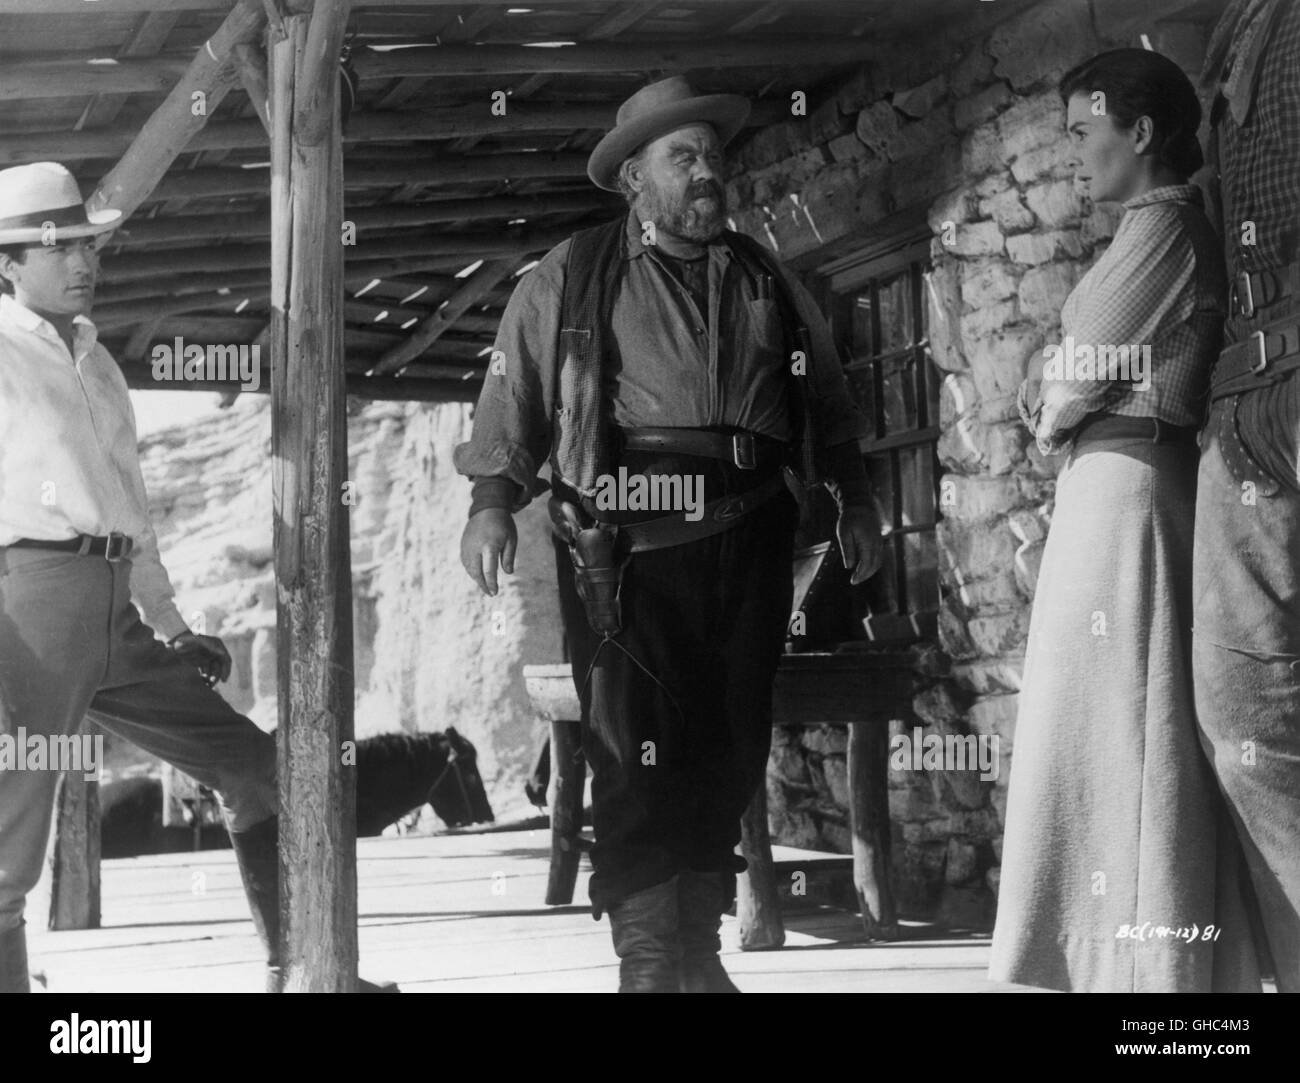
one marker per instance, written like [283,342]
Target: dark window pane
[899,387]
[916,466]
[881,476]
[862,388]
[861,323]
[880,590]
[896,312]
[922,562]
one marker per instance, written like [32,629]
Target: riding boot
[257,851]
[701,899]
[644,928]
[13,960]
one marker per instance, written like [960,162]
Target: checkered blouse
[1160,285]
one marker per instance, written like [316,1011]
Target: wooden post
[569,774]
[758,904]
[868,758]
[318,883]
[74,880]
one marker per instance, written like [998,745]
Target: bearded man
[666,350]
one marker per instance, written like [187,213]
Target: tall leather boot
[13,961]
[701,899]
[257,851]
[644,928]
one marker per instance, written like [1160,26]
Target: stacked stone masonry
[968,136]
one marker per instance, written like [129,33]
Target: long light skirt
[1116,856]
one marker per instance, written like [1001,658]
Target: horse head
[457,794]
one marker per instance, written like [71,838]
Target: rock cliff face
[431,651]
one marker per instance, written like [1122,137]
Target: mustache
[700,189]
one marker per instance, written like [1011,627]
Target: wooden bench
[858,688]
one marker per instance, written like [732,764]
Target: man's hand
[859,534]
[208,653]
[490,536]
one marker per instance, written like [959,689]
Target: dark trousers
[676,760]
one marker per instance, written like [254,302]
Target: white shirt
[69,463]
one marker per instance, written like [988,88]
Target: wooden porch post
[318,881]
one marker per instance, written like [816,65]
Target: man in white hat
[645,356]
[76,547]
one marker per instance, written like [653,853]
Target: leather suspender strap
[1254,291]
[1270,354]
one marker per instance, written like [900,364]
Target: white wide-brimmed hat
[656,110]
[34,197]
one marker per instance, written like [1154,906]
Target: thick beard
[684,218]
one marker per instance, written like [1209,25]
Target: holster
[597,569]
[1240,463]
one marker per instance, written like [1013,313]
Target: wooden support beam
[117,7]
[367,221]
[867,764]
[229,182]
[404,254]
[149,37]
[250,65]
[71,77]
[152,149]
[356,274]
[611,57]
[318,871]
[74,886]
[476,286]
[447,122]
[377,388]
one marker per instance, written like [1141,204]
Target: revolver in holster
[597,569]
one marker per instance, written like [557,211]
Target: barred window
[875,302]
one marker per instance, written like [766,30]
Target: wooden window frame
[830,283]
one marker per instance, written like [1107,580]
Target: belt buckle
[116,547]
[1244,295]
[1262,348]
[743,453]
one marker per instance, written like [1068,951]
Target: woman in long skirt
[1118,873]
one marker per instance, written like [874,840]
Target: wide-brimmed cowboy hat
[656,110]
[34,197]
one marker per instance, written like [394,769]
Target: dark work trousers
[677,756]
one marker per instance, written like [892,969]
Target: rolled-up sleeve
[836,417]
[512,421]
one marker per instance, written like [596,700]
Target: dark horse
[396,774]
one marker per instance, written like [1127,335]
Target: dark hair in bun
[1140,83]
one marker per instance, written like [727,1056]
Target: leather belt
[1255,290]
[1120,427]
[1263,358]
[746,450]
[112,548]
[717,515]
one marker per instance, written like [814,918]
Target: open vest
[581,420]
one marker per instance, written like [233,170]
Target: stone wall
[431,651]
[967,135]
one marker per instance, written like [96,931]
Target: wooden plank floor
[453,914]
